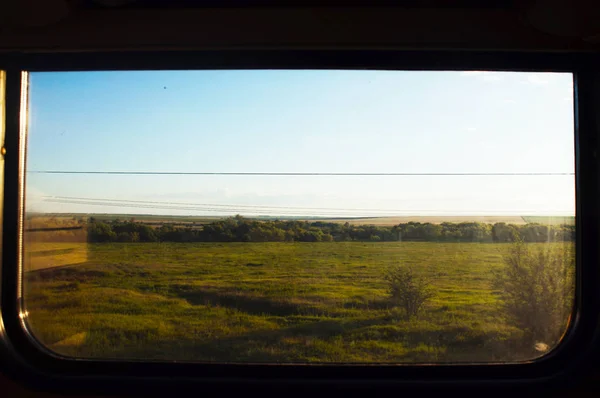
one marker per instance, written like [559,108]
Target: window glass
[300,216]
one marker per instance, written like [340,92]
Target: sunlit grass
[41,255]
[271,302]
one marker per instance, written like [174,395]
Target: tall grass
[273,302]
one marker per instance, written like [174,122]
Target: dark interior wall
[59,25]
[67,25]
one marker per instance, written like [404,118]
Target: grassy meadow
[271,302]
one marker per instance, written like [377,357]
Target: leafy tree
[407,290]
[502,232]
[124,237]
[290,236]
[327,238]
[239,229]
[147,234]
[537,289]
[101,232]
[432,232]
[534,233]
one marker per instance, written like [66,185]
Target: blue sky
[303,121]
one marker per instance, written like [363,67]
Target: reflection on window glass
[300,216]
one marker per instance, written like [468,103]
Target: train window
[300,216]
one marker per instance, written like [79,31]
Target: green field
[550,220]
[272,302]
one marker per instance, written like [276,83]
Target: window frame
[22,358]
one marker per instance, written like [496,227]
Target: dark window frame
[25,360]
[171,4]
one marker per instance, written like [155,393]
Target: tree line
[240,229]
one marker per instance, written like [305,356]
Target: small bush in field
[408,290]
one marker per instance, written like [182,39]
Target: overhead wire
[290,174]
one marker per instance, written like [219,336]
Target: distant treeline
[240,229]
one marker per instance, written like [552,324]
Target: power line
[237,209]
[231,209]
[290,174]
[235,206]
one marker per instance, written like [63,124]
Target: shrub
[135,237]
[537,288]
[407,290]
[124,237]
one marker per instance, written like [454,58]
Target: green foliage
[502,233]
[537,288]
[240,229]
[101,232]
[124,237]
[408,290]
